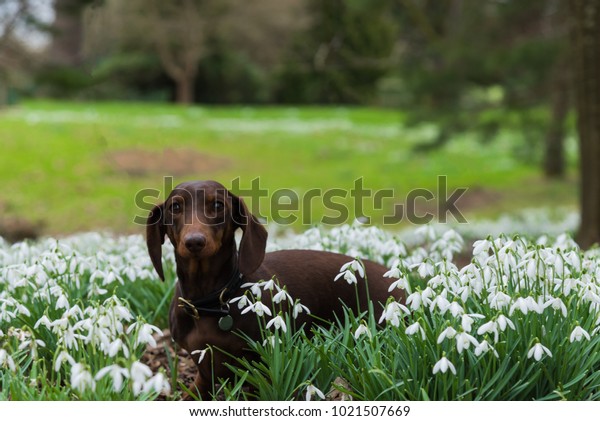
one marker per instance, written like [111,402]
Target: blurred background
[101,99]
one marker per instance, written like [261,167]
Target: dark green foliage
[343,54]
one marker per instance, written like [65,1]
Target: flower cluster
[60,303]
[510,285]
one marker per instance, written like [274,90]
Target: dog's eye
[175,207]
[219,205]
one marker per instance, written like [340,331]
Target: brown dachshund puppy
[200,218]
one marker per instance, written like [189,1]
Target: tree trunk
[585,37]
[3,93]
[185,90]
[66,47]
[554,159]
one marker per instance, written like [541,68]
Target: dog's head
[200,218]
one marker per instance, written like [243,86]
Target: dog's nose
[195,242]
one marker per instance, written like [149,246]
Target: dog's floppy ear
[254,238]
[155,237]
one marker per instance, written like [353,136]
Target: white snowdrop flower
[158,383]
[348,277]
[64,355]
[485,347]
[139,374]
[464,292]
[69,338]
[464,340]
[144,335]
[362,329]
[538,351]
[96,291]
[117,374]
[489,327]
[415,328]
[7,361]
[269,285]
[481,246]
[559,265]
[97,274]
[444,365]
[455,309]
[21,309]
[441,302]
[556,304]
[449,333]
[299,308]
[532,269]
[533,305]
[259,308]
[467,321]
[278,323]
[62,302]
[391,313]
[521,304]
[503,322]
[115,346]
[394,272]
[311,391]
[426,233]
[81,379]
[110,278]
[425,269]
[414,300]
[578,334]
[566,286]
[74,312]
[282,295]
[242,301]
[354,266]
[43,321]
[401,283]
[426,295]
[254,289]
[574,260]
[122,312]
[270,340]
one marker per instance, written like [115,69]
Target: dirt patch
[176,162]
[475,198]
[14,229]
[166,351]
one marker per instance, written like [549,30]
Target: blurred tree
[585,38]
[177,31]
[16,18]
[67,30]
[476,65]
[344,51]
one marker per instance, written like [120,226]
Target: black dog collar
[215,304]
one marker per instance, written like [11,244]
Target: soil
[175,162]
[14,229]
[157,357]
[475,198]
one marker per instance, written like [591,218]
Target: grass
[56,164]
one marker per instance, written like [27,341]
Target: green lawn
[60,161]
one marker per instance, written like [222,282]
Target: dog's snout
[195,242]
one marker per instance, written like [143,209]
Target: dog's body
[200,219]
